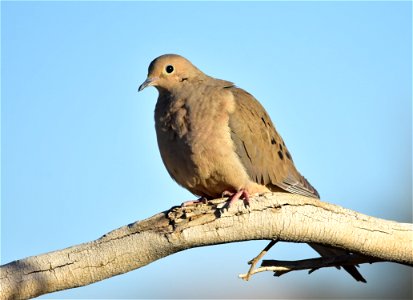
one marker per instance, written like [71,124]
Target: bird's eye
[169,69]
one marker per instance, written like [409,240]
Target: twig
[281,267]
[253,262]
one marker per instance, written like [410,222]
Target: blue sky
[79,153]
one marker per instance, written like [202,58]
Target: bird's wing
[267,160]
[261,149]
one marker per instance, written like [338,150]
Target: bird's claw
[233,197]
[201,200]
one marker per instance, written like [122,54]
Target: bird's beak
[148,82]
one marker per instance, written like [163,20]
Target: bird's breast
[195,143]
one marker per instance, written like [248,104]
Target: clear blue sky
[79,153]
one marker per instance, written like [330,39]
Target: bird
[216,139]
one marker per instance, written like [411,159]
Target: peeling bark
[280,216]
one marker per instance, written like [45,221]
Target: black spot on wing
[263,120]
[280,154]
[288,155]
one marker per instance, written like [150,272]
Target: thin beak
[148,82]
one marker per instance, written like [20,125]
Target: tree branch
[277,216]
[282,267]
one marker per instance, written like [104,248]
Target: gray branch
[272,216]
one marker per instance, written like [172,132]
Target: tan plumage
[215,137]
[262,150]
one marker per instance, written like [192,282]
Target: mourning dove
[215,138]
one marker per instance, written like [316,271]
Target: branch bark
[272,216]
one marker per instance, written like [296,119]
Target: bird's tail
[330,251]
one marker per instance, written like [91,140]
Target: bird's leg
[202,200]
[232,197]
[241,194]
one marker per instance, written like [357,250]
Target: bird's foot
[201,200]
[233,197]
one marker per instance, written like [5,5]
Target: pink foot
[241,194]
[202,200]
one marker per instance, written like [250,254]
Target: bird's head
[169,71]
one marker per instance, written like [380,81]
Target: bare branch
[280,267]
[256,259]
[277,216]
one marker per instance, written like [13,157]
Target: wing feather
[261,149]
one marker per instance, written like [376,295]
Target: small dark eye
[169,69]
